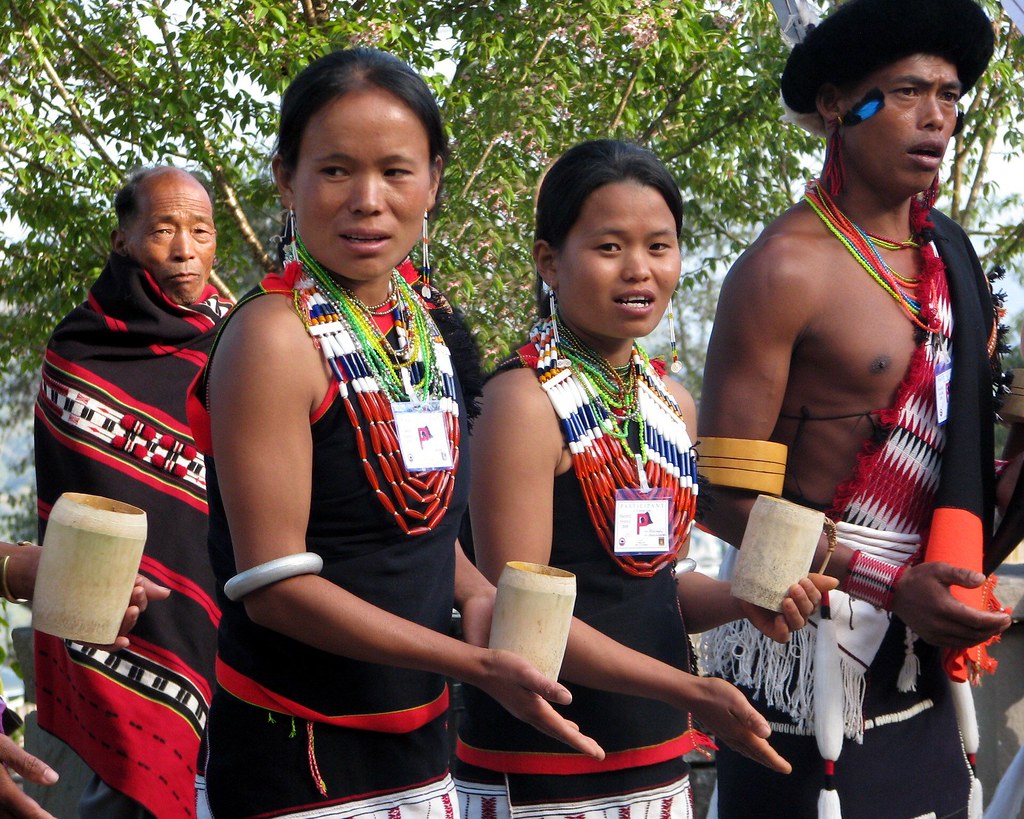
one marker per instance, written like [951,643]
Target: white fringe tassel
[911,669]
[967,719]
[828,805]
[976,805]
[781,673]
[828,708]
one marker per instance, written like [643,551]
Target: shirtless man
[869,358]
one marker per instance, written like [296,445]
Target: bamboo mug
[533,612]
[778,547]
[91,555]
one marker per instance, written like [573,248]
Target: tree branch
[29,161]
[613,126]
[979,174]
[216,169]
[684,86]
[735,119]
[309,12]
[76,44]
[75,113]
[471,179]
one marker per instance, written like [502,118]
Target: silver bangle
[270,572]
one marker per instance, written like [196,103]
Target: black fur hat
[862,36]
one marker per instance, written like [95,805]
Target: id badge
[642,521]
[422,436]
[943,377]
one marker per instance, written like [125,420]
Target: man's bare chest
[855,352]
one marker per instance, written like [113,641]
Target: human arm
[923,601]
[20,564]
[474,598]
[144,592]
[746,372]
[267,368]
[842,350]
[518,448]
[1008,478]
[14,803]
[706,602]
[828,364]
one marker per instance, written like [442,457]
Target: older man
[859,331]
[110,420]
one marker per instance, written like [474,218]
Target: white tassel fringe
[967,719]
[828,805]
[828,709]
[911,669]
[976,805]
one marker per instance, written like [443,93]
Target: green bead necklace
[414,354]
[616,388]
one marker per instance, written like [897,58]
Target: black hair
[862,36]
[582,170]
[126,200]
[340,72]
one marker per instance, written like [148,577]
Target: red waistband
[389,722]
[528,762]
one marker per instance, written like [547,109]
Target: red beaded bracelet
[872,579]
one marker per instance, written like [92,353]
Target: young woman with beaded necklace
[576,423]
[336,547]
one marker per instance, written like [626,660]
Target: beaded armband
[872,580]
[743,463]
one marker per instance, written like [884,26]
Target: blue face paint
[872,103]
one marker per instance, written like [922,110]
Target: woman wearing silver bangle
[338,427]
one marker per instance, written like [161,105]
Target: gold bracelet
[747,449]
[753,481]
[830,533]
[4,588]
[743,463]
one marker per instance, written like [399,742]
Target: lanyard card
[642,521]
[422,436]
[943,377]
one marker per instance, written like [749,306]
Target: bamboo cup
[778,547]
[533,612]
[91,555]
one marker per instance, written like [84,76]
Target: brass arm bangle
[743,449]
[742,463]
[4,588]
[830,534]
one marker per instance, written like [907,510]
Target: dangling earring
[560,360]
[425,256]
[289,228]
[287,249]
[675,366]
[832,175]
